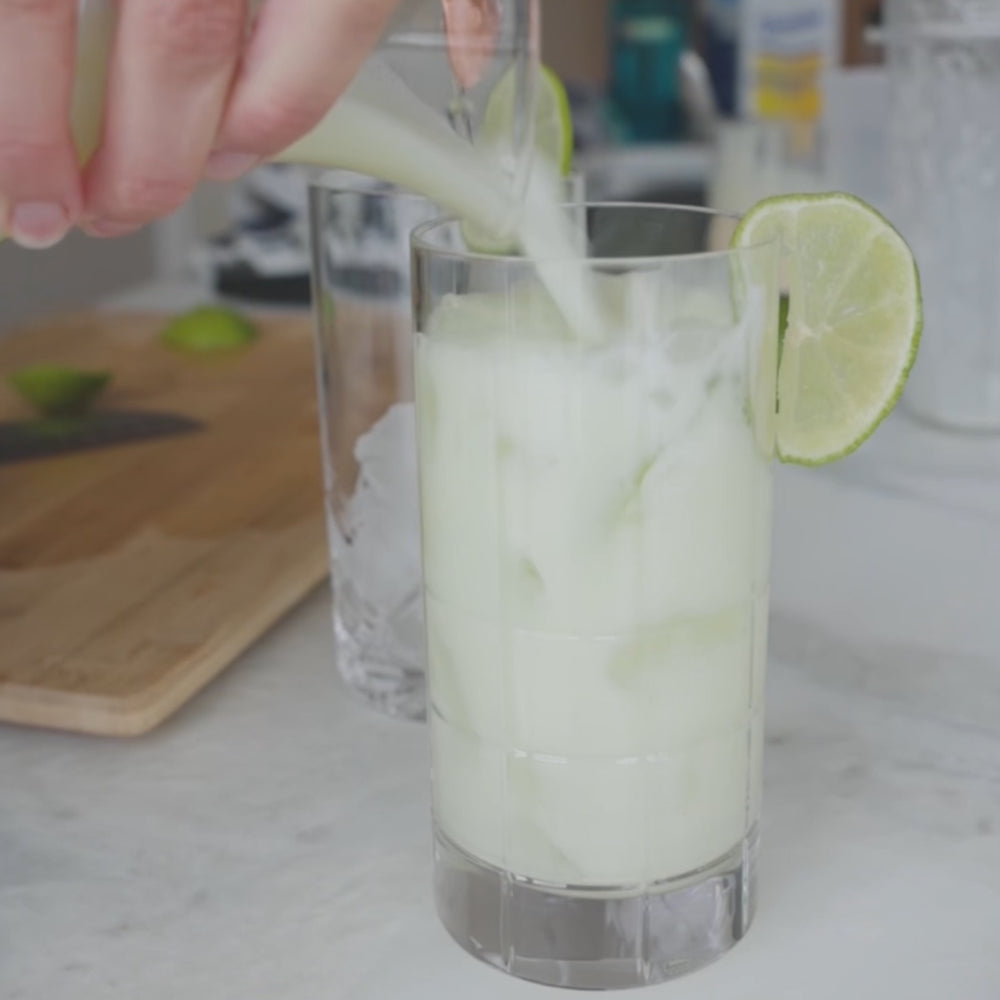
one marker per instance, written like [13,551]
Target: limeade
[596,524]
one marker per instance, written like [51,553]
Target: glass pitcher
[415,115]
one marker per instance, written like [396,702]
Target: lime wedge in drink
[553,122]
[553,136]
[209,330]
[853,325]
[55,391]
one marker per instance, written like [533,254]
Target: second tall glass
[363,308]
[364,322]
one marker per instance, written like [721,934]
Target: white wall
[81,271]
[76,272]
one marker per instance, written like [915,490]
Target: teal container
[647,39]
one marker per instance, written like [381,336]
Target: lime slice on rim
[854,320]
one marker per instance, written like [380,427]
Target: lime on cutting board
[209,330]
[56,391]
[854,320]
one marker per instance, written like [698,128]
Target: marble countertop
[272,840]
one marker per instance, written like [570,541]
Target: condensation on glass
[944,59]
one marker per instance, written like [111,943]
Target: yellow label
[789,86]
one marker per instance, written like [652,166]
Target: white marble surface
[272,840]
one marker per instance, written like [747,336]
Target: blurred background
[132,577]
[715,101]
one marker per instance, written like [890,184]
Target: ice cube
[381,551]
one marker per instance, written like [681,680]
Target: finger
[39,175]
[473,27]
[301,57]
[171,69]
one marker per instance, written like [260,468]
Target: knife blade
[24,440]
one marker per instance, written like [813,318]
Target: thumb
[473,27]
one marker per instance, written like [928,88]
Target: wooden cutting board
[130,576]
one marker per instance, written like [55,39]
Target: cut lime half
[854,320]
[209,330]
[56,391]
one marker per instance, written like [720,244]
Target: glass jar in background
[416,112]
[944,134]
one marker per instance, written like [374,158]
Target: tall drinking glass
[596,510]
[944,59]
[363,310]
[360,230]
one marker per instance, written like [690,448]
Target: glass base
[382,682]
[606,939]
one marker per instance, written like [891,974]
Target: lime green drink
[596,527]
[596,434]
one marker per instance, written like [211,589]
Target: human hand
[189,95]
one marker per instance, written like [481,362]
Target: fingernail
[223,166]
[98,227]
[38,224]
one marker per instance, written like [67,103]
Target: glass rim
[338,180]
[420,243]
[350,182]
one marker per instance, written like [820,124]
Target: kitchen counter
[272,840]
